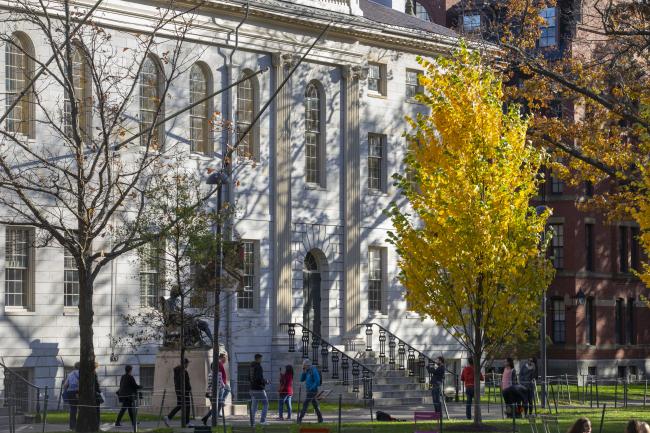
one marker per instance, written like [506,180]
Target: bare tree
[81,148]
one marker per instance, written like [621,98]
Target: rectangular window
[557,245]
[590,319]
[150,273]
[630,329]
[557,186]
[413,86]
[243,381]
[589,247]
[377,78]
[635,250]
[70,280]
[375,279]
[559,321]
[246,297]
[471,23]
[548,30]
[146,382]
[623,250]
[619,321]
[18,281]
[376,152]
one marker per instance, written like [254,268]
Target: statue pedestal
[198,370]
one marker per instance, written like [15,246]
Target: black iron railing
[331,360]
[17,396]
[403,356]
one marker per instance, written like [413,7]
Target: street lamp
[542,331]
[218,178]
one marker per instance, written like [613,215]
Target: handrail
[9,372]
[320,356]
[404,352]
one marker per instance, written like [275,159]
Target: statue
[195,327]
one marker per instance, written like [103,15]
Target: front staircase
[387,372]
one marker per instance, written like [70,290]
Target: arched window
[150,102]
[82,94]
[246,111]
[313,136]
[18,69]
[199,117]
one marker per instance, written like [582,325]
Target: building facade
[309,205]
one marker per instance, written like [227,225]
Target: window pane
[312,135]
[150,270]
[421,12]
[548,34]
[375,268]
[246,297]
[149,101]
[70,281]
[374,77]
[79,81]
[17,259]
[245,115]
[16,71]
[559,322]
[375,161]
[557,245]
[198,113]
[412,84]
[471,23]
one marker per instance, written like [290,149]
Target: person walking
[127,394]
[225,387]
[286,391]
[220,388]
[99,398]
[527,377]
[312,379]
[508,378]
[437,372]
[179,372]
[258,393]
[467,377]
[71,395]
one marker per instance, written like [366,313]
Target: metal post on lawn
[514,418]
[503,415]
[625,391]
[645,392]
[555,398]
[339,421]
[37,418]
[162,405]
[45,398]
[568,390]
[602,418]
[616,394]
[597,396]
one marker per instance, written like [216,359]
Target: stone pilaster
[281,207]
[352,199]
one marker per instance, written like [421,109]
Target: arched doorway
[311,284]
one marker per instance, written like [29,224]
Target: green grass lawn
[615,421]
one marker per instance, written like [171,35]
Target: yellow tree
[470,245]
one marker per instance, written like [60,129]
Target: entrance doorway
[311,279]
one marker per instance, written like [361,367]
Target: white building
[311,208]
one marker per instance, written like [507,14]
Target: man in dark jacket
[179,371]
[128,396]
[311,376]
[437,377]
[527,377]
[258,392]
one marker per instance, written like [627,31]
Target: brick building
[595,317]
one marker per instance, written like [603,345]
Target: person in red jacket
[467,376]
[286,391]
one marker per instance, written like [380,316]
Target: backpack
[383,416]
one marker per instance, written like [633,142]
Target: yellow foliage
[471,248]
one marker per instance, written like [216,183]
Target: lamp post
[218,178]
[542,326]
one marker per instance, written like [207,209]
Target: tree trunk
[182,344]
[477,387]
[87,420]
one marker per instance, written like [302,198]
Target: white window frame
[248,297]
[376,183]
[377,72]
[26,267]
[471,22]
[153,270]
[413,88]
[377,255]
[548,36]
